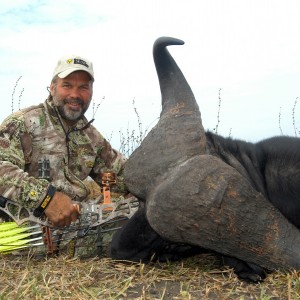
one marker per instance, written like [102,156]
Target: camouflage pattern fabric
[95,243]
[37,147]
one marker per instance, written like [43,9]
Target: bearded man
[48,150]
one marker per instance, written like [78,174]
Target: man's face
[72,95]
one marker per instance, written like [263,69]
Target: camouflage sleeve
[110,160]
[15,183]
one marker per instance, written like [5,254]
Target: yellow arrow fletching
[8,248]
[14,239]
[15,231]
[8,226]
[13,245]
[18,244]
[13,236]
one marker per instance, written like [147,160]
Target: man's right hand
[61,211]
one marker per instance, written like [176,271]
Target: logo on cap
[78,61]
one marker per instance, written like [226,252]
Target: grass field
[200,277]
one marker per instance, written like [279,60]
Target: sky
[241,59]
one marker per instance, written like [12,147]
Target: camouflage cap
[71,63]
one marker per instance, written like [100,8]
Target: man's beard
[67,112]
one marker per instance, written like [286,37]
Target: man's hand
[60,211]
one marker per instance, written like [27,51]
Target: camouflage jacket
[36,149]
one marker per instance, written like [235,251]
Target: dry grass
[196,278]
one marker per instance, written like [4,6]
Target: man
[47,150]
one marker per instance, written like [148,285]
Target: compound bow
[92,214]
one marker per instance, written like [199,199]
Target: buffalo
[199,191]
